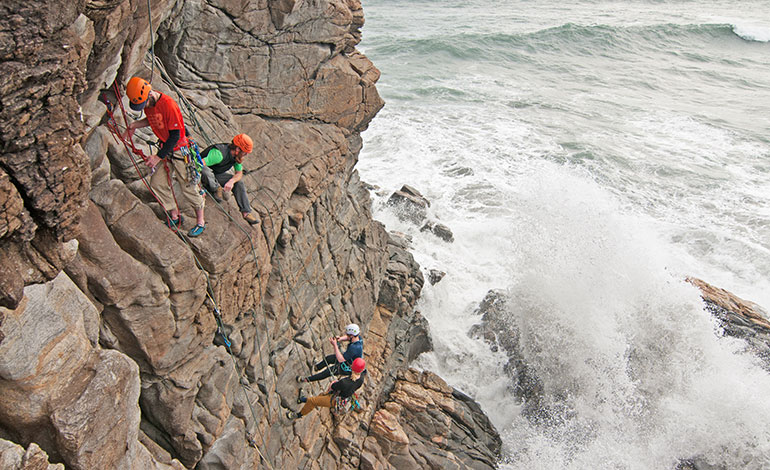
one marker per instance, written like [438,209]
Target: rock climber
[339,363]
[216,177]
[164,117]
[338,394]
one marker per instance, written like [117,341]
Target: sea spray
[626,355]
[587,157]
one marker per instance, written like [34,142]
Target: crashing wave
[752,32]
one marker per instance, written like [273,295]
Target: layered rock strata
[133,348]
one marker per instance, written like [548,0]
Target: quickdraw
[193,162]
[341,406]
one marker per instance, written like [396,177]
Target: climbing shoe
[293,414]
[195,231]
[217,195]
[251,218]
[174,223]
[301,379]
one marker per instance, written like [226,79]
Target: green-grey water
[587,156]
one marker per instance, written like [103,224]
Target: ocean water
[587,157]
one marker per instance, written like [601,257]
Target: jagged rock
[62,393]
[14,457]
[426,424]
[315,79]
[439,230]
[400,239]
[409,204]
[229,451]
[43,60]
[499,330]
[404,285]
[137,331]
[739,318]
[435,276]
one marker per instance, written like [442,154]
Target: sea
[588,156]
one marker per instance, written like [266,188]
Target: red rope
[128,144]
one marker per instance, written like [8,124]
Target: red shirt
[166,116]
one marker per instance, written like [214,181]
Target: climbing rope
[192,117]
[192,114]
[152,38]
[131,150]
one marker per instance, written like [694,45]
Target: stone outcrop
[14,457]
[409,204]
[738,318]
[125,346]
[427,424]
[44,172]
[499,332]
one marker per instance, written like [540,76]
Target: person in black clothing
[341,389]
[339,363]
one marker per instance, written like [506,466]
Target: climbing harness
[340,406]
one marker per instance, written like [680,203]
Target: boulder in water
[439,230]
[409,204]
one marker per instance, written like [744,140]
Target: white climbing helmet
[352,330]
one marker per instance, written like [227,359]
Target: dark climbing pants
[333,368]
[211,181]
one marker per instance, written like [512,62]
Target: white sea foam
[588,197]
[752,32]
[622,344]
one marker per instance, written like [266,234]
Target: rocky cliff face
[111,351]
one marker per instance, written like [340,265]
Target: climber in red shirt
[165,119]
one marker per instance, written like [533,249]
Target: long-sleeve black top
[170,143]
[345,387]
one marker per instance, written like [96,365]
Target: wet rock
[409,205]
[498,329]
[434,276]
[738,318]
[439,230]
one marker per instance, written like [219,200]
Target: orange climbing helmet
[138,90]
[243,142]
[358,365]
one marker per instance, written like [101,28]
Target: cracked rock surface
[113,351]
